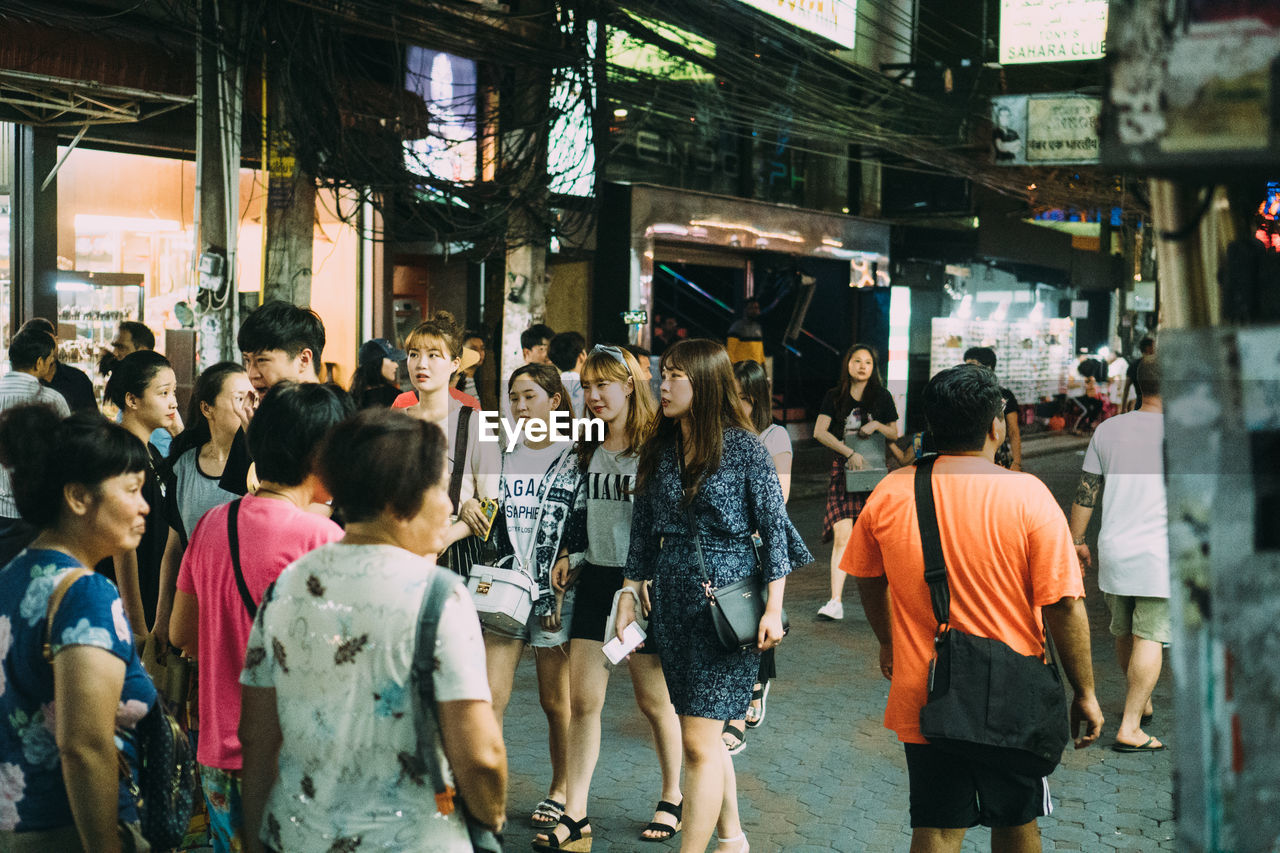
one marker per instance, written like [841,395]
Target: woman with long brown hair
[859,403]
[705,484]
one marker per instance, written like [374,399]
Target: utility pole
[523,127]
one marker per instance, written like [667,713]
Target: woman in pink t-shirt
[219,587]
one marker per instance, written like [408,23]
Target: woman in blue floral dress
[727,483]
[79,483]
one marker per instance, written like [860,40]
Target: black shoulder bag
[463,554]
[233,539]
[440,585]
[986,702]
[736,608]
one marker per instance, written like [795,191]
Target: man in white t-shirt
[1133,547]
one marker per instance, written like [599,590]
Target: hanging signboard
[1193,85]
[831,19]
[1044,130]
[1052,30]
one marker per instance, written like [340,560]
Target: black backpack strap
[440,585]
[233,537]
[935,565]
[459,456]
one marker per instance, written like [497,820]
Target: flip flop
[665,830]
[1146,747]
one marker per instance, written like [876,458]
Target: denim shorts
[536,636]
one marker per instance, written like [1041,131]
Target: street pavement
[822,773]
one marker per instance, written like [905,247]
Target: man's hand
[1086,711]
[886,660]
[1086,557]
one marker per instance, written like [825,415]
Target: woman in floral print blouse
[79,483]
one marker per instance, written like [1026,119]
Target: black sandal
[737,735]
[668,831]
[576,842]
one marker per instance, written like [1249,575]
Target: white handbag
[503,597]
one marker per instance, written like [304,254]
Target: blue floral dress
[32,794]
[740,497]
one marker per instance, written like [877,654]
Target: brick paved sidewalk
[822,773]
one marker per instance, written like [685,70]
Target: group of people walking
[288,541]
[286,544]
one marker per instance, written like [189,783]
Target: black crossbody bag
[735,609]
[986,701]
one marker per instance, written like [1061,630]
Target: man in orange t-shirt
[1009,554]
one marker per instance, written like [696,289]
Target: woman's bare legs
[655,703]
[840,532]
[704,791]
[553,692]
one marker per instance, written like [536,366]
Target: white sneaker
[833,610]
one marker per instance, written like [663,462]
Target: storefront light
[90,223]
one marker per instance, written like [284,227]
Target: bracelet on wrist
[631,592]
[1077,540]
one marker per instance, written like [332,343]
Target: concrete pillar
[33,218]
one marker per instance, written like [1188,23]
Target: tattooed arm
[1082,512]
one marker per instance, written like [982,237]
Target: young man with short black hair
[1009,562]
[279,341]
[534,342]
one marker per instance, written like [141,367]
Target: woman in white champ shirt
[600,527]
[539,477]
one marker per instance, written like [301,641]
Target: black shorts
[592,600]
[950,792]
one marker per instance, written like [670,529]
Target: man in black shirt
[1009,454]
[1147,348]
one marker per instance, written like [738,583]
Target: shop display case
[91,306]
[1034,358]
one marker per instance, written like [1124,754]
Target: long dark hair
[208,388]
[754,383]
[368,375]
[713,409]
[871,395]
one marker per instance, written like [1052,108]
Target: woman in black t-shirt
[144,388]
[859,404]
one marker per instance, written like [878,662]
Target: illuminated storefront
[130,216]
